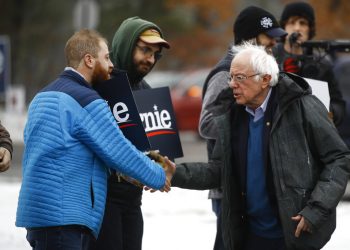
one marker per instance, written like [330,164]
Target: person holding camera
[298,19]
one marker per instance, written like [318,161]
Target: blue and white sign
[146,117]
[117,92]
[158,118]
[5,64]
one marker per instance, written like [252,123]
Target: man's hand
[303,225]
[5,159]
[169,168]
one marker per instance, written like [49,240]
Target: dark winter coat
[309,166]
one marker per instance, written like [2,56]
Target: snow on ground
[181,219]
[12,238]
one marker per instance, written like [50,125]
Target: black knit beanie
[253,21]
[300,9]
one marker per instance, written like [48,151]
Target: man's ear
[266,80]
[89,61]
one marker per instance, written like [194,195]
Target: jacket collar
[74,76]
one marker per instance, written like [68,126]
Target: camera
[328,46]
[315,52]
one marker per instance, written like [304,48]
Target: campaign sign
[116,91]
[320,90]
[5,63]
[158,118]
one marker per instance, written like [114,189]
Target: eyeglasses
[240,78]
[149,52]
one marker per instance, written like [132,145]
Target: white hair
[260,61]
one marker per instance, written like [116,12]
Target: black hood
[291,87]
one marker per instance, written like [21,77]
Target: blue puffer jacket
[70,137]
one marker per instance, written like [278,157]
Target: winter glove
[158,158]
[291,65]
[153,155]
[5,159]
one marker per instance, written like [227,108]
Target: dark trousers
[216,206]
[254,242]
[70,237]
[122,226]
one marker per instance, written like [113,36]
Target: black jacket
[309,165]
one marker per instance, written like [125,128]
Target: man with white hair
[279,160]
[252,24]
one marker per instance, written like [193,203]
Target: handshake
[168,166]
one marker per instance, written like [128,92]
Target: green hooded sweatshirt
[124,41]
